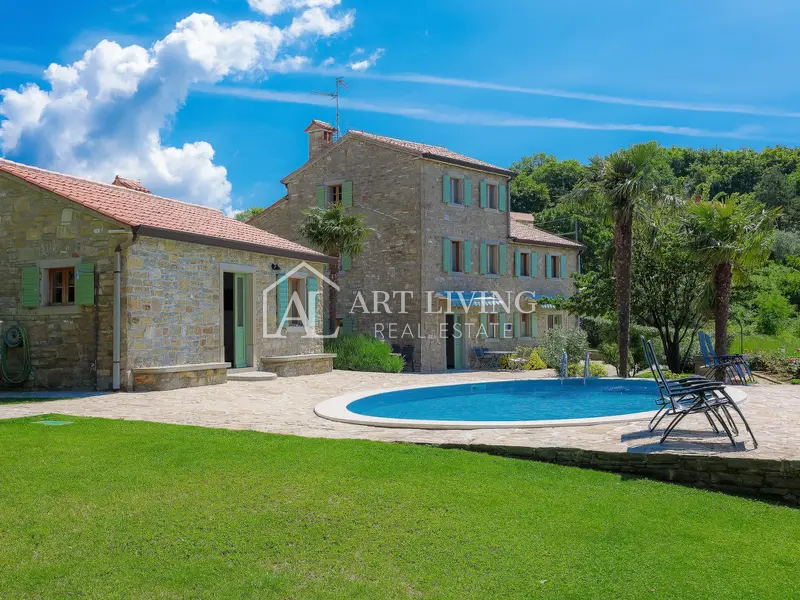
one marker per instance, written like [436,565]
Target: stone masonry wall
[174,292]
[71,346]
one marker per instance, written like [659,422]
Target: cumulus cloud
[105,113]
[367,63]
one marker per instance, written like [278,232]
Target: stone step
[250,375]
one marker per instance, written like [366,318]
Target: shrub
[795,381]
[362,353]
[525,358]
[556,341]
[775,362]
[535,362]
[773,311]
[595,370]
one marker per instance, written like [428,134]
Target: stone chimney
[320,137]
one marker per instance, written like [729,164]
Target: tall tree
[336,232]
[733,235]
[247,214]
[626,181]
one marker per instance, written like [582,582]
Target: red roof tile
[323,124]
[436,152]
[524,217]
[131,184]
[523,232]
[134,208]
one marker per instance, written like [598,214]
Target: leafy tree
[732,234]
[247,214]
[626,182]
[542,180]
[773,311]
[335,232]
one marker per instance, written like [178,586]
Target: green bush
[667,373]
[795,381]
[773,311]
[362,353]
[535,362]
[524,358]
[775,362]
[595,370]
[561,339]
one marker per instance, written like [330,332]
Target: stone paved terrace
[286,406]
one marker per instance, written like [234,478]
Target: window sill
[456,205]
[525,277]
[492,275]
[492,210]
[69,309]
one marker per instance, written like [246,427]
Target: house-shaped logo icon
[297,301]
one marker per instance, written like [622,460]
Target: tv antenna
[339,84]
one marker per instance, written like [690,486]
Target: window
[296,297]
[492,325]
[327,136]
[525,264]
[553,321]
[334,194]
[493,259]
[456,191]
[525,324]
[555,266]
[456,257]
[62,286]
[492,196]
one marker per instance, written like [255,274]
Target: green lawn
[767,342]
[115,509]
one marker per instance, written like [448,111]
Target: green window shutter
[30,287]
[563,266]
[548,266]
[501,318]
[467,256]
[517,265]
[283,299]
[84,284]
[483,194]
[347,261]
[534,264]
[483,258]
[347,323]
[517,326]
[321,196]
[311,302]
[347,194]
[502,204]
[534,325]
[484,324]
[467,192]
[502,259]
[446,259]
[446,189]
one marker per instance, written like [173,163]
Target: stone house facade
[192,286]
[440,223]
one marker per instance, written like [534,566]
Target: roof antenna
[339,83]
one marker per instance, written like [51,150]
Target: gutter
[470,165]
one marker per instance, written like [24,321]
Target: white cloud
[104,114]
[270,8]
[367,63]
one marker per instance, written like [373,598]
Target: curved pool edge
[335,409]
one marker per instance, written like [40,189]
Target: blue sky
[492,80]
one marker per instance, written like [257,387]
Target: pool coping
[335,409]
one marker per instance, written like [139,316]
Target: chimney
[320,138]
[131,184]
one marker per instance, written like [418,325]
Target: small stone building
[441,224]
[195,292]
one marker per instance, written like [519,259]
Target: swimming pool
[516,403]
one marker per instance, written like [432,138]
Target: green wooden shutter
[467,256]
[483,194]
[347,194]
[321,196]
[502,198]
[548,266]
[534,264]
[347,323]
[483,258]
[517,265]
[534,324]
[446,259]
[283,299]
[517,325]
[467,192]
[84,284]
[501,318]
[502,269]
[347,261]
[30,287]
[446,189]
[563,266]
[311,302]
[484,324]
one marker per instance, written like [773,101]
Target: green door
[458,342]
[239,321]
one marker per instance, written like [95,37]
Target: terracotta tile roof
[524,217]
[523,232]
[131,184]
[322,124]
[435,152]
[139,209]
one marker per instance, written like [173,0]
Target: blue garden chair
[729,367]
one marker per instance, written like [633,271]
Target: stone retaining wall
[156,382]
[774,480]
[322,363]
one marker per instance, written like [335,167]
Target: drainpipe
[117,285]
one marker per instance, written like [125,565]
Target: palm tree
[625,181]
[732,235]
[336,233]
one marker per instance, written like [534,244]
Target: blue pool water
[523,400]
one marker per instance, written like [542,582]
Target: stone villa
[440,224]
[120,289]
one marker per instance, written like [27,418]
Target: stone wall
[173,380]
[173,315]
[71,346]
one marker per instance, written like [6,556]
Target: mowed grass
[752,343]
[116,509]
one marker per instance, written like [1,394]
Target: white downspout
[117,285]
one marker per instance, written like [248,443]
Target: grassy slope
[755,342]
[128,509]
